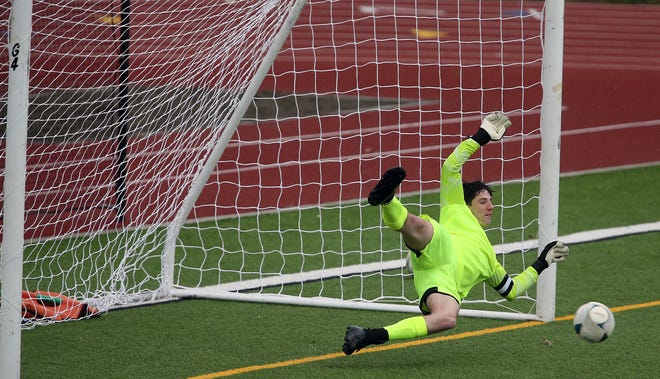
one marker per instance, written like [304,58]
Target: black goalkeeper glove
[553,252]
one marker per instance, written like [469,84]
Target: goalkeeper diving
[453,254]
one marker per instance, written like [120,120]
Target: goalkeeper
[453,255]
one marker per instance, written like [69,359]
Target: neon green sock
[412,327]
[394,214]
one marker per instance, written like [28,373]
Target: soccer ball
[594,322]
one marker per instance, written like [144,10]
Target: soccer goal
[225,149]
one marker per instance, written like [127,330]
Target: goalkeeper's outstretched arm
[510,288]
[492,128]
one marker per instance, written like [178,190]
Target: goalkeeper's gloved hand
[495,124]
[492,128]
[553,252]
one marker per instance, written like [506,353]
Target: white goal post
[14,154]
[225,149]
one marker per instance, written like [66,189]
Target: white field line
[359,269]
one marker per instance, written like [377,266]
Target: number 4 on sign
[14,56]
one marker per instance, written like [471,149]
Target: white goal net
[169,156]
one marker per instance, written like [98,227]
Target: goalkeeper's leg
[443,315]
[416,231]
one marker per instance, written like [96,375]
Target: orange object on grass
[54,306]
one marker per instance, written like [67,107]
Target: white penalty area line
[403,345]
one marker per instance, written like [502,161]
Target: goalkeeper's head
[478,197]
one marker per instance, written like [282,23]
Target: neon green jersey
[460,255]
[476,256]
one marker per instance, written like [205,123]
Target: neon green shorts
[436,268]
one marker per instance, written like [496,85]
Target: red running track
[611,76]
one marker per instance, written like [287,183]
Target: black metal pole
[122,106]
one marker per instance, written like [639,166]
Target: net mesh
[129,99]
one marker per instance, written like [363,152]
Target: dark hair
[472,189]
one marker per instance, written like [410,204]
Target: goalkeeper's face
[482,207]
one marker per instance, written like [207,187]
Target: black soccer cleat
[354,340]
[384,191]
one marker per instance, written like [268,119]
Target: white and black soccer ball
[594,322]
